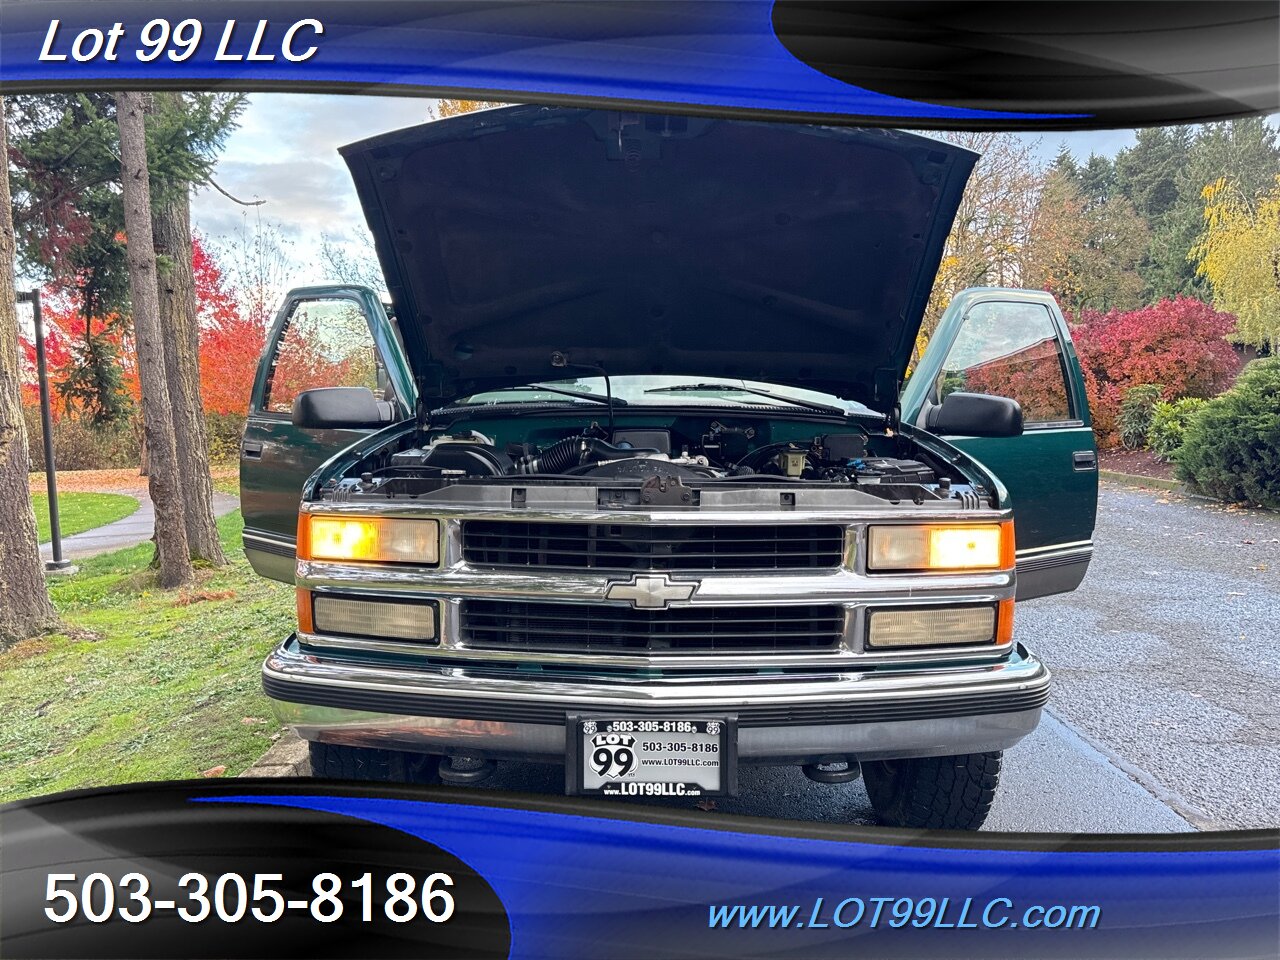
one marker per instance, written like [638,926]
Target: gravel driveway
[1168,657]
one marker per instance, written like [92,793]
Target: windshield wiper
[755,391]
[576,394]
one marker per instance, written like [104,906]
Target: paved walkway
[132,530]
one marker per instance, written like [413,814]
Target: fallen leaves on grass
[25,649]
[126,480]
[199,596]
[214,771]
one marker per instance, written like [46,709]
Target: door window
[1010,350]
[326,343]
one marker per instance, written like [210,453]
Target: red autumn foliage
[64,345]
[326,344]
[57,348]
[299,366]
[1030,376]
[230,342]
[1178,344]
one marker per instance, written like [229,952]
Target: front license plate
[651,757]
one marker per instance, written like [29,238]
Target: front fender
[342,461]
[976,473]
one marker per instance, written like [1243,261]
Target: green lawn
[143,684]
[78,512]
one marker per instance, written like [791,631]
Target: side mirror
[976,415]
[330,407]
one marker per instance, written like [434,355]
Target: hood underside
[644,243]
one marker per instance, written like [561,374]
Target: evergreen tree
[1097,181]
[1165,175]
[164,480]
[1147,173]
[68,219]
[185,133]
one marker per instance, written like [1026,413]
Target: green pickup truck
[635,473]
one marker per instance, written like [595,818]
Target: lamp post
[58,564]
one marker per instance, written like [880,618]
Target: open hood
[644,243]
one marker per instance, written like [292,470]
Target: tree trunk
[24,608]
[171,223]
[164,480]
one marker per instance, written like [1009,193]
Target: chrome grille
[634,546]
[598,628]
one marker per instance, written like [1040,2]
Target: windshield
[665,391]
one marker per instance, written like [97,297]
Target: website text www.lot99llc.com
[897,912]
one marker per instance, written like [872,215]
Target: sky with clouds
[285,153]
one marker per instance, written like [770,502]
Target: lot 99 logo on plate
[613,754]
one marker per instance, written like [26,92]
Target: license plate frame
[648,726]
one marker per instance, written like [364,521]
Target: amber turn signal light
[368,539]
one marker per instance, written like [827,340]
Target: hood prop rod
[561,362]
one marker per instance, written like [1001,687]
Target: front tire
[938,793]
[332,761]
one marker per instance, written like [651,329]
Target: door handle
[1084,460]
[251,449]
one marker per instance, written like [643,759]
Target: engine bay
[657,465]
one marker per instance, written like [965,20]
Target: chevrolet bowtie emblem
[650,593]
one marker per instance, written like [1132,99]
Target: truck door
[322,337]
[1016,343]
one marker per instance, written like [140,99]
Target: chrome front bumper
[910,711]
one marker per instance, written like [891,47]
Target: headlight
[931,627]
[972,546]
[369,539]
[351,616]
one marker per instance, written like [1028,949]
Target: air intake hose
[572,452]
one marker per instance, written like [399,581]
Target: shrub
[78,445]
[1177,343]
[225,431]
[1168,423]
[1231,447]
[1135,414]
[1104,414]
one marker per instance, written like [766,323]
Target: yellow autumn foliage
[1238,252]
[454,108]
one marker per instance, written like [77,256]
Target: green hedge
[1169,420]
[1231,447]
[1136,413]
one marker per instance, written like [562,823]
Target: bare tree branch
[232,197]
